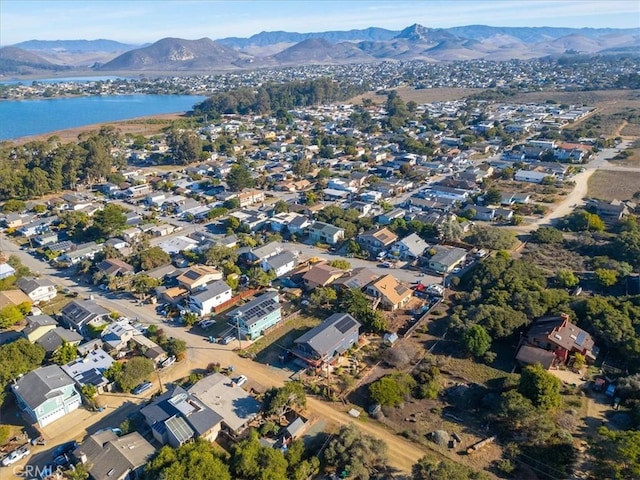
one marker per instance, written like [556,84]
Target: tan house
[250,197]
[321,275]
[376,241]
[38,326]
[13,297]
[199,276]
[393,295]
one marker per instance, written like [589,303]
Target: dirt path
[402,453]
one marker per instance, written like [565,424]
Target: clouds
[139,21]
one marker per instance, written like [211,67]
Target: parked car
[228,339]
[241,380]
[16,456]
[207,323]
[62,461]
[64,448]
[169,361]
[143,387]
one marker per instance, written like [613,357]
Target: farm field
[610,185]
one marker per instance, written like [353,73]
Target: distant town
[378,286]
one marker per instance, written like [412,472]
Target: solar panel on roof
[582,336]
[345,325]
[191,275]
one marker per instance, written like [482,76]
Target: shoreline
[135,125]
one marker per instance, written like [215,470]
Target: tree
[617,453]
[78,473]
[450,229]
[109,221]
[493,238]
[190,319]
[239,178]
[323,297]
[18,357]
[391,390]
[278,401]
[605,277]
[66,353]
[539,386]
[566,278]
[492,196]
[280,207]
[476,340]
[301,168]
[143,285]
[358,454]
[232,224]
[341,264]
[10,315]
[217,255]
[185,146]
[547,235]
[259,278]
[14,205]
[626,247]
[194,460]
[427,469]
[153,257]
[252,460]
[581,220]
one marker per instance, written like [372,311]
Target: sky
[143,21]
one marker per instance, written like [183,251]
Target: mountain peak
[419,33]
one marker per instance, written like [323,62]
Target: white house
[410,247]
[531,176]
[38,289]
[280,264]
[207,299]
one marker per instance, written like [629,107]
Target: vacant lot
[425,95]
[632,161]
[609,185]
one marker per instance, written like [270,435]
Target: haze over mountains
[264,49]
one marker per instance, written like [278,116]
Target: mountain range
[264,49]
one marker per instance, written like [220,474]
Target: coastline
[133,126]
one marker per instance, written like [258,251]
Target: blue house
[322,344]
[256,316]
[46,394]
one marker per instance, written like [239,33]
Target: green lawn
[268,348]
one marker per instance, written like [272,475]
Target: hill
[318,50]
[78,46]
[175,54]
[17,61]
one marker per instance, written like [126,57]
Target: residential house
[253,220]
[206,299]
[363,208]
[178,244]
[85,251]
[612,212]
[390,216]
[115,267]
[250,197]
[558,335]
[291,222]
[281,263]
[46,394]
[446,258]
[13,297]
[46,238]
[79,314]
[151,350]
[53,339]
[236,407]
[377,240]
[89,370]
[118,334]
[109,457]
[6,270]
[177,416]
[321,232]
[531,176]
[256,316]
[410,247]
[37,326]
[321,275]
[357,278]
[392,294]
[509,198]
[198,276]
[486,214]
[323,344]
